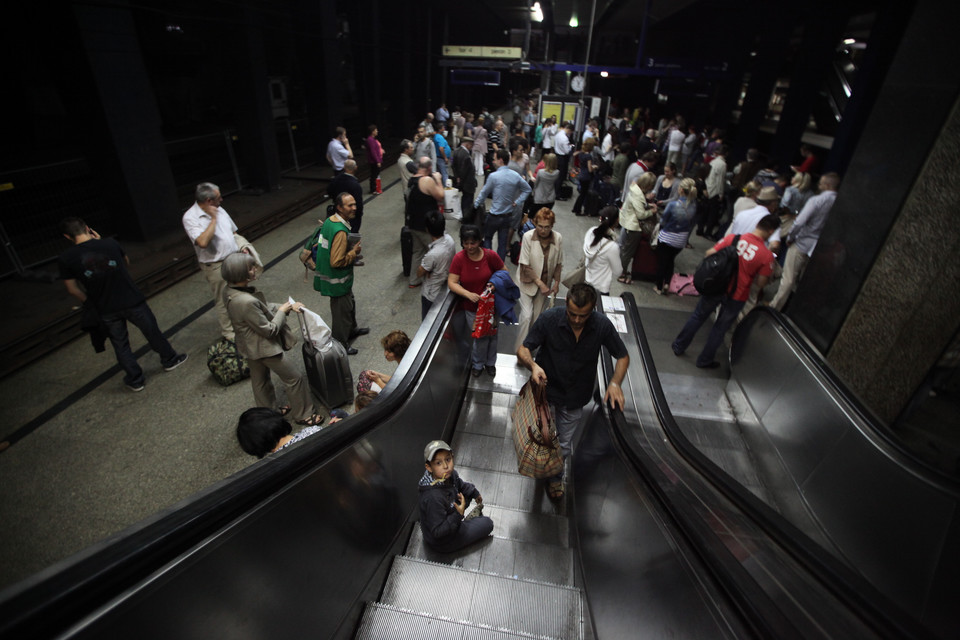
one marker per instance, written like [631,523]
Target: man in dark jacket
[465,177]
[444,498]
[347,182]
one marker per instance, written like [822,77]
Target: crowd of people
[650,186]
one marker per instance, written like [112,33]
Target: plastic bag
[316,330]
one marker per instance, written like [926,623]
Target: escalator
[321,540]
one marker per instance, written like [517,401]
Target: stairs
[518,583]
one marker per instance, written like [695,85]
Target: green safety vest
[331,281]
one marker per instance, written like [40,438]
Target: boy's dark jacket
[439,517]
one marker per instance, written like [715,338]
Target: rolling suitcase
[406,250]
[328,370]
[644,265]
[566,191]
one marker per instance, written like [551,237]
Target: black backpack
[717,271]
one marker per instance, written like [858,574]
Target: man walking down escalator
[569,340]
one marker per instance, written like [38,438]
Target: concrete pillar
[771,51]
[822,30]
[259,161]
[879,295]
[122,130]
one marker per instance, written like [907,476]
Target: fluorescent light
[850,41]
[574,22]
[604,74]
[536,13]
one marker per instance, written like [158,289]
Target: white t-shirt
[196,220]
[602,261]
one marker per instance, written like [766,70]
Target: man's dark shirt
[101,267]
[571,365]
[645,144]
[348,183]
[464,171]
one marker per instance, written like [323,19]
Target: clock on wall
[577,83]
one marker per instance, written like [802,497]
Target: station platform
[97,458]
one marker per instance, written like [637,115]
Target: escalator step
[503,556]
[483,599]
[389,623]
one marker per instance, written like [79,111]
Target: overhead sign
[512,53]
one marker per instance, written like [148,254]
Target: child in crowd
[444,498]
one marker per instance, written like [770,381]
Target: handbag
[576,276]
[485,323]
[682,285]
[655,236]
[537,457]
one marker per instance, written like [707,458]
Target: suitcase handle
[303,328]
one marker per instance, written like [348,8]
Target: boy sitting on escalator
[444,498]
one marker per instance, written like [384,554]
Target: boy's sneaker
[134,387]
[179,360]
[476,513]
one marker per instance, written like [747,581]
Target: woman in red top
[374,157]
[469,273]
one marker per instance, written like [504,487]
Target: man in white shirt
[563,147]
[675,146]
[549,134]
[804,234]
[715,184]
[339,151]
[211,230]
[403,162]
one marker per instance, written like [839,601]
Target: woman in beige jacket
[637,216]
[262,337]
[541,260]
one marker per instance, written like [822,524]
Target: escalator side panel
[637,584]
[299,565]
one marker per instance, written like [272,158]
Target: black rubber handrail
[875,609]
[62,594]
[758,611]
[906,457]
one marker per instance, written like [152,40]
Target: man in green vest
[335,260]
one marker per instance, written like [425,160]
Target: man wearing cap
[465,177]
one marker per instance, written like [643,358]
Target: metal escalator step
[383,622]
[487,600]
[503,556]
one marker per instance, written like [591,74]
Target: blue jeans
[567,421]
[483,351]
[499,225]
[142,317]
[442,168]
[729,310]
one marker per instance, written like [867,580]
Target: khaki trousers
[264,393]
[211,271]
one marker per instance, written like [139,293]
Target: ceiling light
[574,22]
[536,13]
[604,74]
[850,41]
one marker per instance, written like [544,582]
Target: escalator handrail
[758,609]
[874,608]
[63,593]
[852,403]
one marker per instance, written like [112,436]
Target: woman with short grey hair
[262,337]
